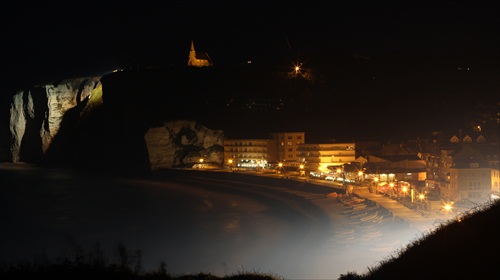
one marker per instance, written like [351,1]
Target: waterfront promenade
[412,217]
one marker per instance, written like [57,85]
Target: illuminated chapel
[198,59]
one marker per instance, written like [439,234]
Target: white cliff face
[183,142]
[61,98]
[36,114]
[18,123]
[58,123]
[161,150]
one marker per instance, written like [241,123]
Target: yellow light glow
[296,67]
[405,189]
[421,196]
[447,207]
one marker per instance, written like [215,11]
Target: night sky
[386,58]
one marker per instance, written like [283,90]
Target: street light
[230,162]
[405,191]
[296,68]
[391,188]
[280,167]
[421,197]
[375,182]
[301,168]
[447,208]
[422,205]
[341,171]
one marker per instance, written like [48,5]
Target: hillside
[467,248]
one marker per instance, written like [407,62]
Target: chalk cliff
[36,114]
[100,122]
[183,143]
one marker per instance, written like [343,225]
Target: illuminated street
[194,224]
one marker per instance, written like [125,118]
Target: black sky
[72,37]
[361,48]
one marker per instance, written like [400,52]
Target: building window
[282,143]
[289,143]
[474,165]
[474,194]
[289,137]
[474,186]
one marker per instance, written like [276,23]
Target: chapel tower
[198,59]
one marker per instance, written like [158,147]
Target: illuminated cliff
[36,115]
[107,122]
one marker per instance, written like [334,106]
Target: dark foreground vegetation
[93,265]
[465,248]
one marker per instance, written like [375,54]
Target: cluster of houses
[455,169]
[458,168]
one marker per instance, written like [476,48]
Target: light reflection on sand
[205,227]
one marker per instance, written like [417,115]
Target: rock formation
[183,143]
[104,123]
[36,115]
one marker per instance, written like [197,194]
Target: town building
[280,147]
[471,177]
[246,153]
[410,168]
[464,169]
[326,157]
[284,147]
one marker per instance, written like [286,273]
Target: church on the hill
[198,59]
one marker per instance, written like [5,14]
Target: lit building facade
[317,157]
[474,184]
[463,168]
[284,147]
[246,153]
[472,177]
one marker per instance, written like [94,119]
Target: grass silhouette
[93,264]
[467,247]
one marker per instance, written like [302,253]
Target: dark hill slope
[468,248]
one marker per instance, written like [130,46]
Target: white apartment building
[323,157]
[246,153]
